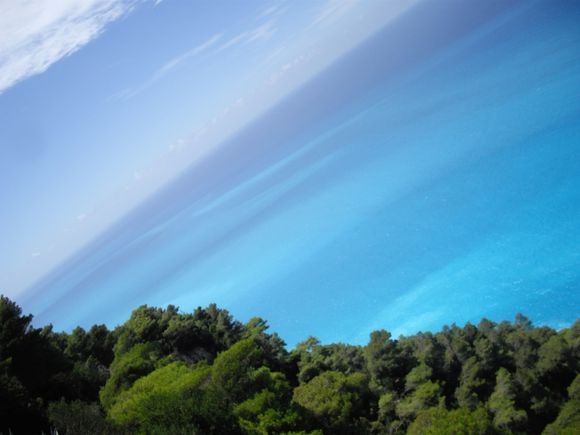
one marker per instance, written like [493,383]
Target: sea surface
[430,176]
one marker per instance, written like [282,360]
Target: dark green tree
[506,416]
[338,402]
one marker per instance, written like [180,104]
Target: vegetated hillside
[164,371]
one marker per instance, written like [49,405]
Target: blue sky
[103,102]
[332,166]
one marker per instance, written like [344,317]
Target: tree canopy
[168,372]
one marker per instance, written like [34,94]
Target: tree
[13,327]
[272,346]
[167,372]
[187,338]
[462,421]
[232,370]
[417,376]
[97,343]
[470,384]
[29,364]
[555,362]
[335,400]
[502,404]
[224,330]
[174,397]
[386,421]
[269,410]
[426,395]
[315,358]
[139,361]
[568,421]
[78,417]
[382,361]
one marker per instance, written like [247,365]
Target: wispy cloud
[333,9]
[264,31]
[189,54]
[284,69]
[165,68]
[270,10]
[36,34]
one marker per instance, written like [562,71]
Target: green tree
[30,365]
[174,397]
[382,361]
[139,361]
[417,376]
[315,358]
[462,421]
[232,370]
[335,400]
[555,362]
[502,403]
[426,395]
[269,411]
[78,417]
[470,384]
[568,421]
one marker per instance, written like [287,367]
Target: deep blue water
[431,176]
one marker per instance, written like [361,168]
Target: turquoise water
[432,176]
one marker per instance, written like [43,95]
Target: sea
[430,176]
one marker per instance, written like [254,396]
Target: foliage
[137,362]
[383,361]
[336,400]
[502,403]
[269,410]
[173,396]
[315,358]
[568,421]
[461,421]
[78,417]
[233,369]
[168,372]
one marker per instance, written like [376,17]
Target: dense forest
[168,372]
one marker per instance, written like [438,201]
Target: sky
[331,166]
[103,102]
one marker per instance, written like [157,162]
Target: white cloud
[333,9]
[125,94]
[263,31]
[271,10]
[34,34]
[188,54]
[284,69]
